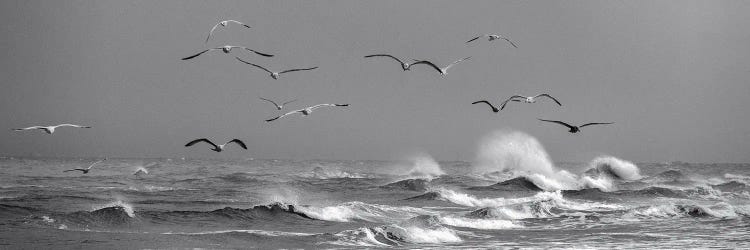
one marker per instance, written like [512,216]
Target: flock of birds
[406,65]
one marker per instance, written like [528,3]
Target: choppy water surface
[519,199]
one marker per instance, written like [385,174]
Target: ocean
[504,199]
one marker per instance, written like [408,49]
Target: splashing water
[424,166]
[517,151]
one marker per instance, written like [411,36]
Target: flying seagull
[576,129]
[227,49]
[51,129]
[274,75]
[279,107]
[224,24]
[527,99]
[85,170]
[443,71]
[491,37]
[217,148]
[308,110]
[404,66]
[494,109]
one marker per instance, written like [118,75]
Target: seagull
[527,99]
[51,129]
[224,24]
[443,71]
[85,170]
[279,107]
[274,75]
[308,110]
[491,37]
[227,49]
[217,148]
[494,109]
[404,66]
[576,129]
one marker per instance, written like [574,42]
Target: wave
[424,166]
[322,173]
[409,184]
[720,210]
[417,230]
[362,211]
[606,171]
[472,201]
[515,184]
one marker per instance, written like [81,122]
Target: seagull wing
[211,32]
[288,102]
[200,140]
[75,169]
[454,63]
[274,103]
[240,23]
[429,64]
[559,122]
[595,123]
[550,97]
[92,165]
[256,52]
[199,53]
[473,39]
[72,125]
[239,142]
[494,109]
[288,113]
[258,66]
[509,41]
[29,128]
[386,55]
[512,98]
[327,105]
[292,70]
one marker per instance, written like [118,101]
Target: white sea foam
[249,231]
[424,166]
[472,201]
[486,224]
[520,152]
[362,211]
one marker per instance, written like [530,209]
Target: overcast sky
[672,75]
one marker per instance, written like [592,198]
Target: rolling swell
[515,184]
[408,184]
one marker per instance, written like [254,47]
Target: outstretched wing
[494,109]
[211,32]
[239,142]
[595,123]
[29,128]
[292,70]
[559,122]
[274,103]
[258,66]
[512,98]
[288,113]
[429,64]
[509,41]
[386,55]
[257,52]
[72,125]
[238,22]
[550,97]
[288,102]
[473,39]
[200,140]
[199,53]
[327,105]
[456,62]
[75,169]
[92,165]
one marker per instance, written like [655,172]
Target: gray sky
[671,74]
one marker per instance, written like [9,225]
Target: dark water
[352,204]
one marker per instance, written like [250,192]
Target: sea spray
[522,153]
